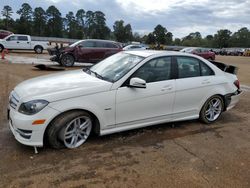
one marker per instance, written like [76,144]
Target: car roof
[147,53]
[99,40]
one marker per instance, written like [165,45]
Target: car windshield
[75,44]
[115,67]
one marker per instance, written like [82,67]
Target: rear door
[99,51]
[23,42]
[111,48]
[195,79]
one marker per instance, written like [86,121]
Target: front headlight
[32,107]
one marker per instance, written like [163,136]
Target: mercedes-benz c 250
[131,89]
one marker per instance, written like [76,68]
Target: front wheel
[67,60]
[212,109]
[70,130]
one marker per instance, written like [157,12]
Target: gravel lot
[184,154]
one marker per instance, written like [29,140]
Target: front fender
[102,105]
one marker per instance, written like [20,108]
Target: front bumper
[23,130]
[232,99]
[55,58]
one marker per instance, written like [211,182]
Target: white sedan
[128,90]
[135,47]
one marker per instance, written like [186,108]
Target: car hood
[60,86]
[68,49]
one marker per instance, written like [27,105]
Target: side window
[100,44]
[110,45]
[135,47]
[88,44]
[155,70]
[22,38]
[12,38]
[188,67]
[206,70]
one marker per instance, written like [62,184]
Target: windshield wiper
[95,73]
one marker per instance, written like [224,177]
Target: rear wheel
[1,48]
[67,60]
[212,109]
[70,130]
[38,49]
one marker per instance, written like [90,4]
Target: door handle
[168,87]
[17,42]
[28,42]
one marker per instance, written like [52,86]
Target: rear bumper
[232,99]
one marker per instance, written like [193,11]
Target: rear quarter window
[206,70]
[110,45]
[192,67]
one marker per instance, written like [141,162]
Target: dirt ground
[183,154]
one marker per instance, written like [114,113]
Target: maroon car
[203,52]
[4,33]
[86,51]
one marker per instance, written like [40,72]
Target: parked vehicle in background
[4,33]
[203,52]
[22,42]
[135,47]
[187,50]
[235,51]
[86,51]
[246,52]
[129,90]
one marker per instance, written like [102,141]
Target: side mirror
[80,46]
[137,83]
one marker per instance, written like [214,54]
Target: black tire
[38,49]
[67,60]
[204,117]
[1,47]
[59,124]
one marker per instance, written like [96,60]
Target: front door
[151,104]
[11,42]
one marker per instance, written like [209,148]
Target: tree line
[92,24]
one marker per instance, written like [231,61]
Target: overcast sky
[179,16]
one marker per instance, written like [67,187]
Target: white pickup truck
[22,42]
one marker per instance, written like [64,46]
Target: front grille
[14,100]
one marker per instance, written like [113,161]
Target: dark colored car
[4,33]
[86,51]
[203,52]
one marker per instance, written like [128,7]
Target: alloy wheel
[76,132]
[214,109]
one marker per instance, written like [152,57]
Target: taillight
[237,83]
